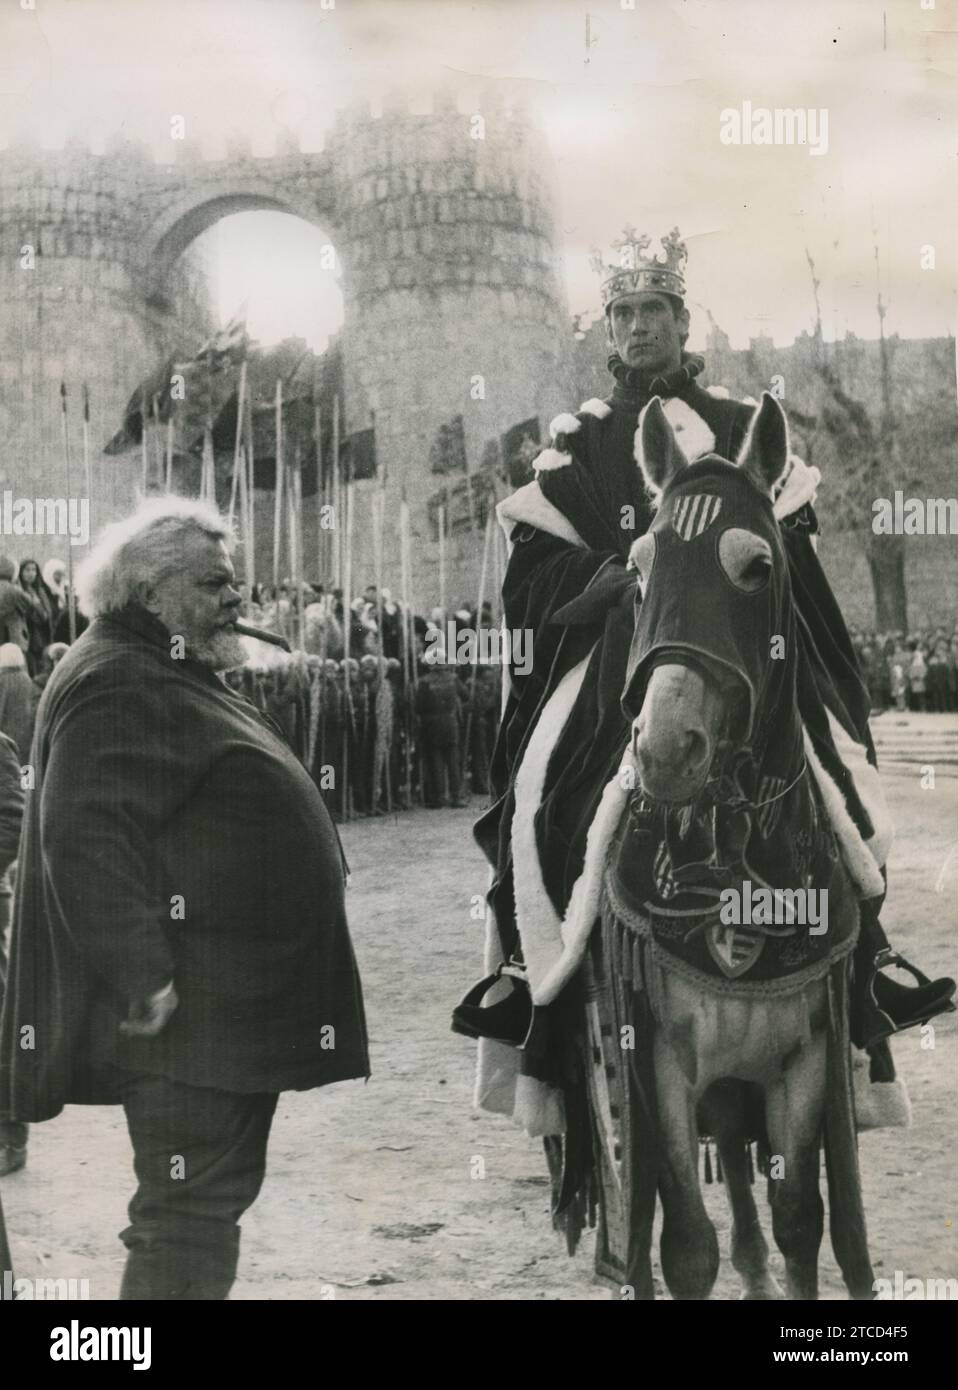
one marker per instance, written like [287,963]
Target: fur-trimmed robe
[553,781]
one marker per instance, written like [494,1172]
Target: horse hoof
[765,1293]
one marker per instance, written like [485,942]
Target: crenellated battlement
[441,215]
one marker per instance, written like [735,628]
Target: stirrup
[888,956]
[508,1021]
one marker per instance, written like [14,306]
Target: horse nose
[671,769]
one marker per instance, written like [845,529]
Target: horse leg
[689,1246]
[794,1107]
[725,1109]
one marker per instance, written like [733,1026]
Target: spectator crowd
[378,725]
[917,671]
[374,707]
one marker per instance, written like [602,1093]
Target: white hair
[145,547]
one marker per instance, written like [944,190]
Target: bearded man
[571,532]
[180,944]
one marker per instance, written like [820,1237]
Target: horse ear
[764,455]
[656,450]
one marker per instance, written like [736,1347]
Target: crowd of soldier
[378,728]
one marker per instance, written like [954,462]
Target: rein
[738,802]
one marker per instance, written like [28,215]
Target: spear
[278,509]
[442,557]
[157,471]
[337,502]
[348,622]
[71,598]
[86,442]
[250,496]
[486,546]
[169,453]
[295,492]
[406,638]
[377,502]
[244,514]
[321,568]
[240,406]
[143,441]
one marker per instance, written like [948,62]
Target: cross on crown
[636,269]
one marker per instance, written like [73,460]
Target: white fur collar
[801,484]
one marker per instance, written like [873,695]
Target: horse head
[713,595]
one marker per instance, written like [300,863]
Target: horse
[725,808]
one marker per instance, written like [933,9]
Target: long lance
[321,567]
[87,477]
[442,557]
[486,546]
[338,505]
[237,442]
[296,543]
[71,597]
[144,456]
[348,621]
[378,504]
[169,452]
[407,678]
[244,515]
[250,496]
[278,507]
[157,468]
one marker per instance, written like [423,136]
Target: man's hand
[147,1017]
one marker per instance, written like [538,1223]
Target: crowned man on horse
[571,772]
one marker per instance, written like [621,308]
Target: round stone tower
[445,227]
[72,309]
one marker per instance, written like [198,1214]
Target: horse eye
[745,558]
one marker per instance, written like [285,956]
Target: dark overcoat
[171,834]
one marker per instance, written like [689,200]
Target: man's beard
[222,652]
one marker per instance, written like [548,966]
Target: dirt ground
[372,1190]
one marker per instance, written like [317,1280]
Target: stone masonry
[446,248]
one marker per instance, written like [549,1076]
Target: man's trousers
[200,1159]
[442,757]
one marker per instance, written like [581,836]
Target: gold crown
[636,269]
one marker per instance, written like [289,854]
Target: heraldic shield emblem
[695,514]
[734,949]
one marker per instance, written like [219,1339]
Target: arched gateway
[455,324]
